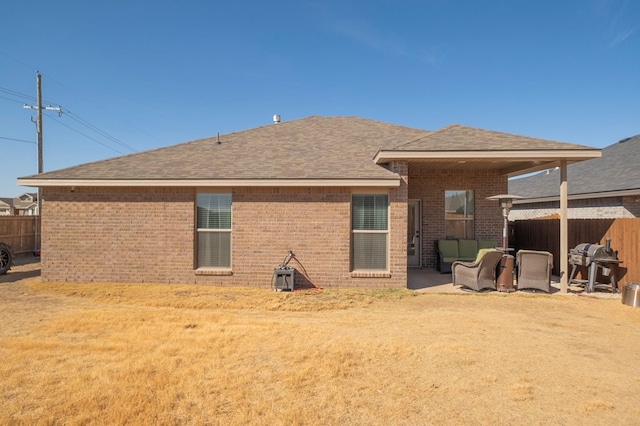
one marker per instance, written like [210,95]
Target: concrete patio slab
[431,281]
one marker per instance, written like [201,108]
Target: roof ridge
[429,133]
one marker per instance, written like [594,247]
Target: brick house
[601,188]
[26,204]
[6,206]
[337,191]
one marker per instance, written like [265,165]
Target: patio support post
[564,228]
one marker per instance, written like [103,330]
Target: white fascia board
[35,182]
[537,155]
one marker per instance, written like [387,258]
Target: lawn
[170,354]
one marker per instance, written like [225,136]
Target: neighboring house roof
[5,205]
[25,201]
[616,173]
[337,151]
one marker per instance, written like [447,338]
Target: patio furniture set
[533,271]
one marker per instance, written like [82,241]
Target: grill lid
[585,253]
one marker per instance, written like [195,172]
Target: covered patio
[476,162]
[427,280]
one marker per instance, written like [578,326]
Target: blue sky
[136,75]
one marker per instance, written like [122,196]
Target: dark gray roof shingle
[617,170]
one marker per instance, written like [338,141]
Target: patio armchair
[534,270]
[477,275]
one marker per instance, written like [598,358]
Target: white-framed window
[213,223]
[369,231]
[458,214]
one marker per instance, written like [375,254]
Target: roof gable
[457,137]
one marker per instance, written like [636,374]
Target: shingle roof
[309,148]
[31,199]
[617,170]
[336,149]
[456,137]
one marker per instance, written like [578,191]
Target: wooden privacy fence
[545,235]
[19,232]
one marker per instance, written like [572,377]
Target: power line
[17,61]
[12,100]
[73,116]
[85,135]
[17,94]
[105,110]
[17,140]
[87,124]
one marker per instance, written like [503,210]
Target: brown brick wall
[147,235]
[429,186]
[117,234]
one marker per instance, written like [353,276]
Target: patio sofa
[462,250]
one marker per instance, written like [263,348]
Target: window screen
[214,230]
[459,214]
[370,229]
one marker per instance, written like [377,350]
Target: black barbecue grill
[594,257]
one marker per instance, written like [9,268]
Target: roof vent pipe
[276,118]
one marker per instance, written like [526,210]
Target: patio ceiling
[509,163]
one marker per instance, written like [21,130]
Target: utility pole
[39,109]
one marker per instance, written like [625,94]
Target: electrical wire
[12,100]
[17,140]
[71,115]
[17,94]
[83,134]
[89,100]
[87,124]
[289,257]
[304,272]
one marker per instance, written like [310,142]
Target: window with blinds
[213,224]
[369,232]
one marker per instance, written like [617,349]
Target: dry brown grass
[168,354]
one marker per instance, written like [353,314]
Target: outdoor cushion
[477,275]
[449,250]
[468,249]
[482,252]
[487,244]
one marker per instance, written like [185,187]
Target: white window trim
[224,269]
[370,191]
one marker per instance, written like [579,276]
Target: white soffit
[533,155]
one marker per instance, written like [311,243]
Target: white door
[414,220]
